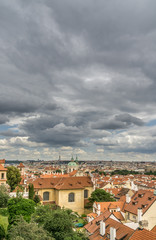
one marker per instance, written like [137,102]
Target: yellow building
[3,171]
[68,192]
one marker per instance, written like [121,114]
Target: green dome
[72,164]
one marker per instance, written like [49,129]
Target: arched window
[45,196]
[71,197]
[85,193]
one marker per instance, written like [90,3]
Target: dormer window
[140,195]
[150,198]
[144,205]
[134,203]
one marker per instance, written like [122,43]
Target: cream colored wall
[107,186]
[77,206]
[150,216]
[132,217]
[61,198]
[3,181]
[52,196]
[90,190]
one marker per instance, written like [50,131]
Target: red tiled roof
[154,229]
[2,168]
[118,215]
[110,205]
[141,199]
[92,226]
[20,165]
[63,183]
[2,161]
[122,231]
[143,235]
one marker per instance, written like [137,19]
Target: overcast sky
[78,77]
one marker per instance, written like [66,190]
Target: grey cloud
[121,121]
[85,66]
[3,119]
[129,119]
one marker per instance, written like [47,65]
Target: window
[85,193]
[71,197]
[2,176]
[45,196]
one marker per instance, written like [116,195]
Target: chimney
[102,228]
[118,209]
[112,233]
[128,198]
[98,209]
[139,214]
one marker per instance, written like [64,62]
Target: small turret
[72,159]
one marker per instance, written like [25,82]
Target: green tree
[27,231]
[4,196]
[59,224]
[20,206]
[36,199]
[42,212]
[2,232]
[13,177]
[31,191]
[100,195]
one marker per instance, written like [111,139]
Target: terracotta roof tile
[2,168]
[143,235]
[122,231]
[21,165]
[63,183]
[141,199]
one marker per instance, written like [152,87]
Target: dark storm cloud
[121,121]
[73,69]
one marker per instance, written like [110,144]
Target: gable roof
[21,165]
[122,231]
[141,199]
[143,234]
[63,183]
[122,192]
[92,226]
[110,205]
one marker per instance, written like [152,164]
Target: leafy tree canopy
[20,206]
[124,172]
[36,199]
[58,222]
[27,231]
[4,196]
[60,225]
[100,195]
[13,177]
[42,212]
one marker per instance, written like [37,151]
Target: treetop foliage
[20,206]
[100,195]
[4,196]
[27,231]
[13,177]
